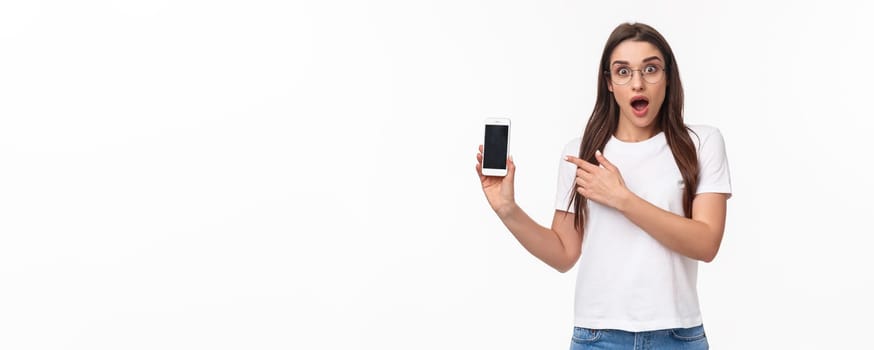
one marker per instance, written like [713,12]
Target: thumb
[603,160]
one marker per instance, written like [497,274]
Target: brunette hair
[605,117]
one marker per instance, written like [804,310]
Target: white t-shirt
[626,279]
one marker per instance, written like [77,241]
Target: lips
[639,105]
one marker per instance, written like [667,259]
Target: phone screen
[495,147]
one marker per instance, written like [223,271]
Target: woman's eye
[651,69]
[623,72]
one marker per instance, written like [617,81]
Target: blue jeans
[664,339]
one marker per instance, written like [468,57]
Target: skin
[636,55]
[560,244]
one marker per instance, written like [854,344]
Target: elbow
[708,255]
[567,263]
[710,247]
[563,268]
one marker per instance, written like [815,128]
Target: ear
[607,80]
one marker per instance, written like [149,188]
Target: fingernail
[598,152]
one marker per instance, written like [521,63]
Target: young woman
[641,199]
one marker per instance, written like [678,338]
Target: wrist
[626,199]
[506,211]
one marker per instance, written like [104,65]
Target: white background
[275,175]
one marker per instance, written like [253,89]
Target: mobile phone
[496,146]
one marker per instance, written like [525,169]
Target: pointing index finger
[581,163]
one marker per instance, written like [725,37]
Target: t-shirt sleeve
[566,176]
[714,176]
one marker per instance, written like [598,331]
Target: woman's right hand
[498,189]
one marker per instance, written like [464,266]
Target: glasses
[622,75]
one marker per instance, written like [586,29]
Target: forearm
[691,238]
[542,242]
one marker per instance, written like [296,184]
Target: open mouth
[639,103]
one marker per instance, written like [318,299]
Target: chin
[644,123]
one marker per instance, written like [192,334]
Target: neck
[631,133]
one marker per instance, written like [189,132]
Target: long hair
[605,117]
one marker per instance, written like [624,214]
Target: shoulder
[702,133]
[572,147]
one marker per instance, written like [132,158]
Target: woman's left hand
[602,184]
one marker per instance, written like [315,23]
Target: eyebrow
[653,58]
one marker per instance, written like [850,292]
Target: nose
[637,83]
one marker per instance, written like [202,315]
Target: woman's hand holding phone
[498,189]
